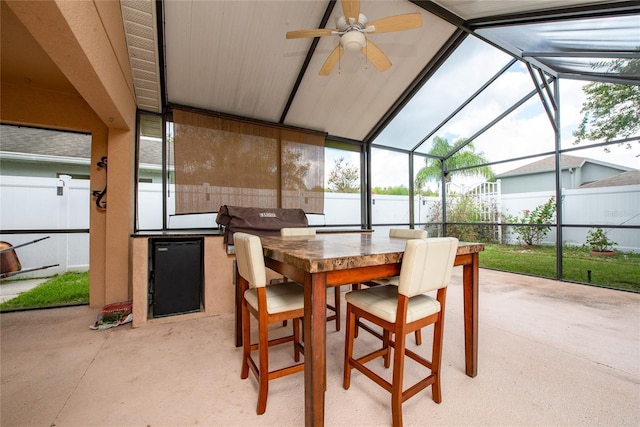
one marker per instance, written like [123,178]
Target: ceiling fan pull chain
[366,54]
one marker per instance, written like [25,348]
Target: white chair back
[250,259]
[427,265]
[298,231]
[407,233]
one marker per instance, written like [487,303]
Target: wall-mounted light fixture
[60,188]
[101,202]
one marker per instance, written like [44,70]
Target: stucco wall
[83,42]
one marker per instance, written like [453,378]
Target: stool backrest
[427,265]
[298,231]
[250,259]
[407,233]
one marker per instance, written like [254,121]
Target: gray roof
[549,163]
[46,142]
[546,164]
[625,178]
[28,140]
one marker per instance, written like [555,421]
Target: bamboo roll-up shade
[221,161]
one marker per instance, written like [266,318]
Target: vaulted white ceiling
[232,57]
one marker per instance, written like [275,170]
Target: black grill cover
[258,221]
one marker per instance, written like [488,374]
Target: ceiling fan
[352,29]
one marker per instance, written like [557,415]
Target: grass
[620,272]
[64,289]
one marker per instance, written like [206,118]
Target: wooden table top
[330,252]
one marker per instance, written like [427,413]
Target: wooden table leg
[238,312]
[470,278]
[315,329]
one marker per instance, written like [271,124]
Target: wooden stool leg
[336,304]
[296,340]
[398,375]
[246,340]
[348,348]
[436,358]
[263,374]
[386,340]
[355,287]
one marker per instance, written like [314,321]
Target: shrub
[598,241]
[461,209]
[534,227]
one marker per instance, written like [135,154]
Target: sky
[526,131]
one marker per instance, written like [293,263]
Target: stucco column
[120,208]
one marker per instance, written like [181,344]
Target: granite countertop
[341,251]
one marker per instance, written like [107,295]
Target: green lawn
[65,289]
[621,271]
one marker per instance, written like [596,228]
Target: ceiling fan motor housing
[353,40]
[343,25]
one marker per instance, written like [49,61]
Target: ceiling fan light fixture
[353,41]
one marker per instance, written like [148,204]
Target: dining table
[337,259]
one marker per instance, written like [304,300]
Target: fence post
[498,198]
[64,195]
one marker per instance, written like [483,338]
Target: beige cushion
[385,281]
[403,233]
[427,265]
[298,231]
[281,297]
[382,301]
[408,233]
[250,259]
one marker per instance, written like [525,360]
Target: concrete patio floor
[550,353]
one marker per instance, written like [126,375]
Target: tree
[399,190]
[464,157]
[294,170]
[611,110]
[344,177]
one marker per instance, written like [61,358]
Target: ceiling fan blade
[376,56]
[351,9]
[331,61]
[395,23]
[299,34]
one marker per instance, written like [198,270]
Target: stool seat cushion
[382,301]
[286,296]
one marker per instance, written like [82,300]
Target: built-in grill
[258,221]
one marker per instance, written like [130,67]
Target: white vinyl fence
[59,204]
[46,204]
[605,205]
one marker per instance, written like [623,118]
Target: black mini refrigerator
[175,276]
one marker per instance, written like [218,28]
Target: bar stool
[403,233]
[426,266]
[268,304]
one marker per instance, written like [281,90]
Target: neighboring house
[43,153]
[576,172]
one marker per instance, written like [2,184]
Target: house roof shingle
[566,161]
[624,178]
[28,140]
[546,164]
[46,142]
